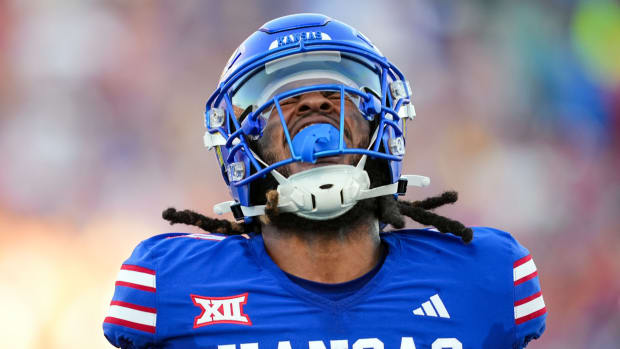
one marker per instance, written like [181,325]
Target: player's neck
[327,258]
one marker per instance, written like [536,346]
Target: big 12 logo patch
[221,310]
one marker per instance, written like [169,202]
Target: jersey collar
[268,266]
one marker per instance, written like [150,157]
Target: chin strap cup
[323,193]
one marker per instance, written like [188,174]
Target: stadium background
[101,108]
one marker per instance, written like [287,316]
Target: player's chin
[335,227]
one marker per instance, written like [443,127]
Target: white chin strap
[324,192]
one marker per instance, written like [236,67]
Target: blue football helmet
[288,57]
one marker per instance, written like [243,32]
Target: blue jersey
[432,291]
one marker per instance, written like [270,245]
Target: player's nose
[314,101]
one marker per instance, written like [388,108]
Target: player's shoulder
[488,243]
[155,266]
[483,237]
[173,246]
[167,241]
[494,267]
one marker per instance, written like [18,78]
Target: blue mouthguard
[315,138]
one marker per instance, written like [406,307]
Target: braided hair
[389,211]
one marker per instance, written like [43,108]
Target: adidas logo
[434,307]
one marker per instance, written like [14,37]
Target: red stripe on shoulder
[137,268]
[136,286]
[531,316]
[135,326]
[522,261]
[526,278]
[134,306]
[527,299]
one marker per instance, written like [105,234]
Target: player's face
[307,109]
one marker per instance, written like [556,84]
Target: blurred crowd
[101,126]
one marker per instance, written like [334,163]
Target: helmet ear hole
[378,172]
[259,187]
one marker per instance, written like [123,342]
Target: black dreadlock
[212,225]
[389,211]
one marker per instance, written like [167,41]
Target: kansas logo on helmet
[297,37]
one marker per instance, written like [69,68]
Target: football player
[308,126]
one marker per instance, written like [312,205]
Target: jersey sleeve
[530,311]
[131,321]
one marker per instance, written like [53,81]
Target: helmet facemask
[259,103]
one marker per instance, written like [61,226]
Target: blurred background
[101,123]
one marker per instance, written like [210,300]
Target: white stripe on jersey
[524,270]
[132,315]
[136,277]
[530,307]
[206,236]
